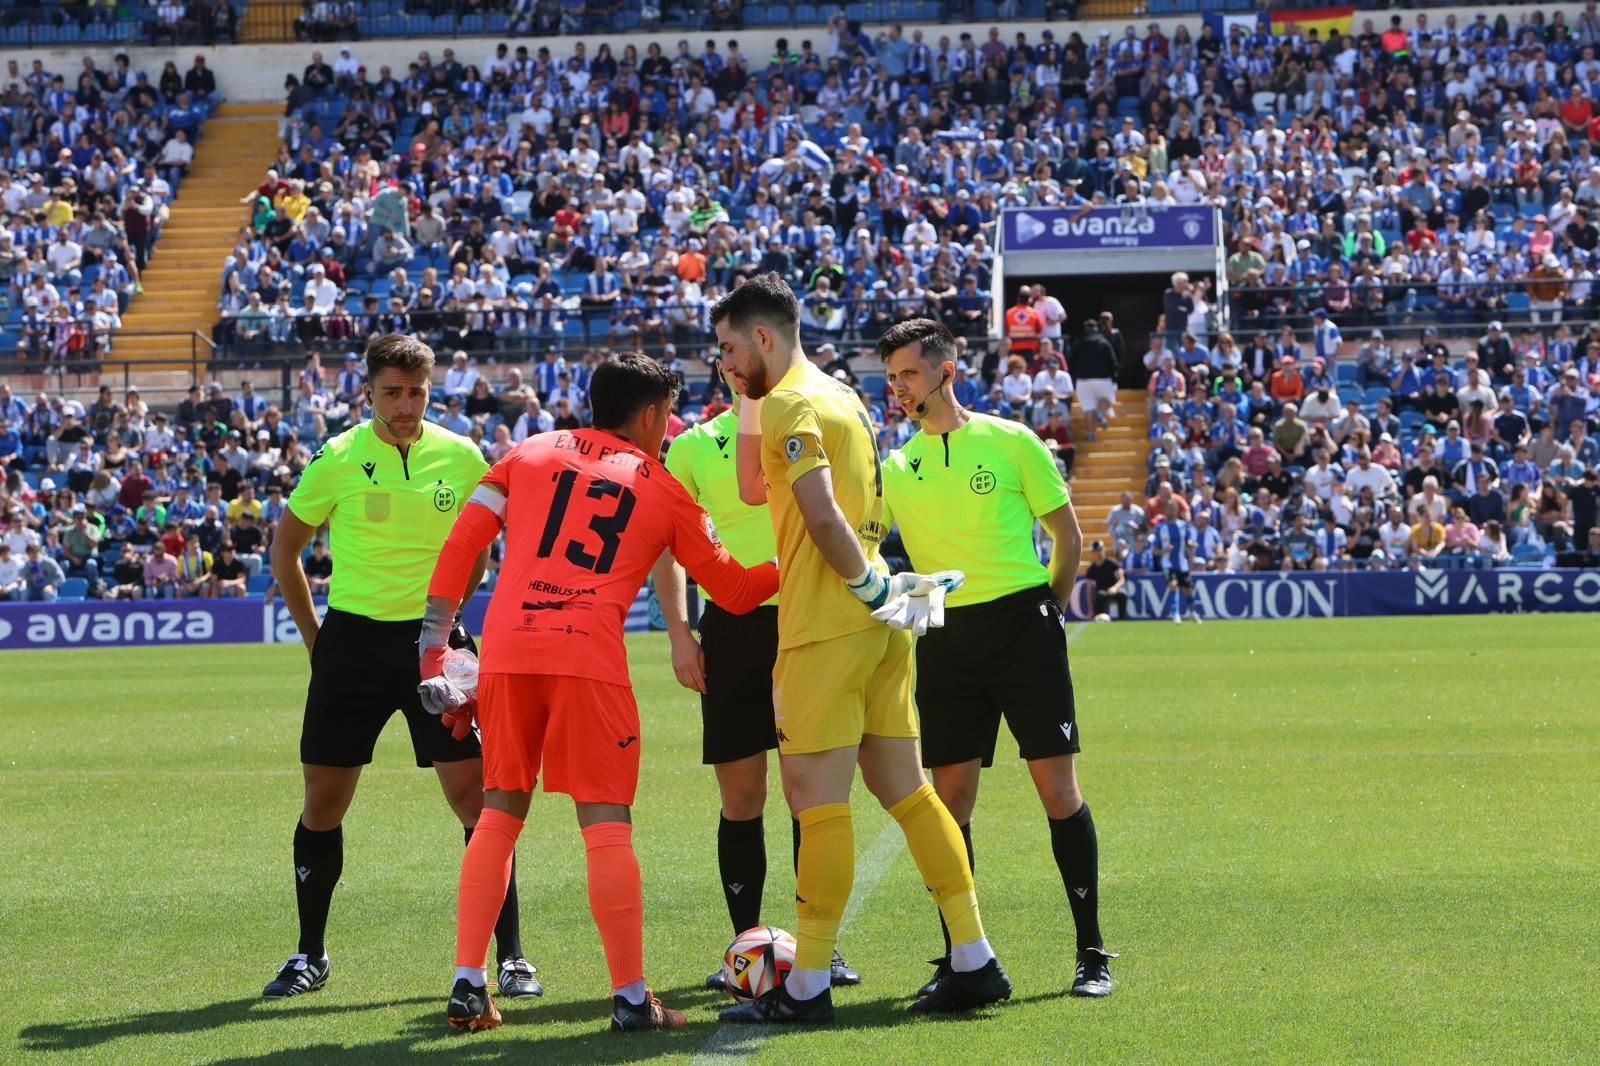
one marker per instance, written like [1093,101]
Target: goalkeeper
[841,687]
[965,491]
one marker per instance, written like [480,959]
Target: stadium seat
[258,583]
[1516,302]
[1344,374]
[806,14]
[73,590]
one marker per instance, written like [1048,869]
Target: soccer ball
[756,961]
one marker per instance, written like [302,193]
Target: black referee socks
[1078,857]
[972,865]
[507,927]
[318,862]
[742,864]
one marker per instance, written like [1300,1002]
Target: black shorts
[362,671]
[1178,577]
[1005,657]
[736,710]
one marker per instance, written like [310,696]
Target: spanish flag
[1324,20]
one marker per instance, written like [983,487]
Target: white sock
[633,993]
[808,984]
[476,976]
[973,955]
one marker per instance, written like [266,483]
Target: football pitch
[1333,841]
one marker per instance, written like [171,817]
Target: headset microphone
[922,408]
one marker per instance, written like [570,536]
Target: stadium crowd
[544,204]
[91,162]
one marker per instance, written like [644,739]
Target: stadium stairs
[182,280]
[1110,464]
[259,26]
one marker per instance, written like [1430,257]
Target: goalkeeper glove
[917,602]
[434,640]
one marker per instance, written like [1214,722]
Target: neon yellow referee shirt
[388,514]
[702,459]
[967,500]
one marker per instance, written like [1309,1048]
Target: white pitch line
[731,1040]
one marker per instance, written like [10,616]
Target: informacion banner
[1361,593]
[120,623]
[104,623]
[1134,227]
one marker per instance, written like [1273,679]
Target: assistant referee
[389,490]
[731,667]
[965,491]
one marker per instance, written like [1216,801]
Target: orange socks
[616,899]
[485,873]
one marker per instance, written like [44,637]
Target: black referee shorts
[1005,657]
[362,671]
[736,710]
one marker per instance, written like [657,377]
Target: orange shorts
[584,733]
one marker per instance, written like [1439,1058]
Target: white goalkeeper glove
[907,601]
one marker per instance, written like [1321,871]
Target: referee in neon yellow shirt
[731,667]
[965,492]
[389,490]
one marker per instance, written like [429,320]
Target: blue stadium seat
[73,590]
[258,583]
[1516,301]
[1344,374]
[806,14]
[874,384]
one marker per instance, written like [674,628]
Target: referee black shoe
[471,1008]
[298,976]
[716,982]
[941,971]
[841,975]
[960,991]
[517,980]
[1092,979]
[777,1007]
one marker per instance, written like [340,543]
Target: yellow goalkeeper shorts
[830,693]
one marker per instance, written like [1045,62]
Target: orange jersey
[1024,327]
[587,515]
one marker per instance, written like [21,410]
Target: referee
[389,490]
[965,491]
[731,667]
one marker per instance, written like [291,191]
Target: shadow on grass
[425,1035]
[73,1035]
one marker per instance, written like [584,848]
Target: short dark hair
[938,343]
[401,351]
[766,298]
[624,385]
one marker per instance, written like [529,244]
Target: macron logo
[1029,228]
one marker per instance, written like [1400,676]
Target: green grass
[1320,842]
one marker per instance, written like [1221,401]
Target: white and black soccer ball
[756,962]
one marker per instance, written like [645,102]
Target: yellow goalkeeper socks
[822,882]
[935,843]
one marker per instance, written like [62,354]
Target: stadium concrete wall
[254,73]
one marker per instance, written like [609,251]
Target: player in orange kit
[586,515]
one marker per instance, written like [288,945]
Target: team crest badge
[444,499]
[793,447]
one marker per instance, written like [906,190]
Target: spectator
[1107,581]
[229,576]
